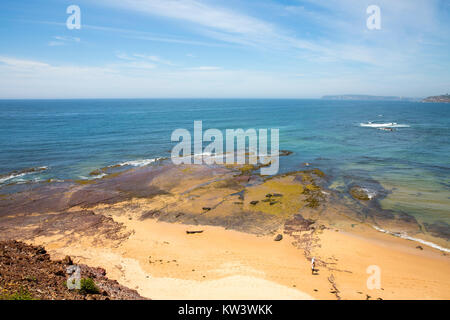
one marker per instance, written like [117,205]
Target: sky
[223,49]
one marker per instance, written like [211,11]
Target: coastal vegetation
[444,98]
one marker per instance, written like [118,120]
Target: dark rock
[194,231]
[206,208]
[96,172]
[359,193]
[242,178]
[32,277]
[68,261]
[60,273]
[285,153]
[40,250]
[150,214]
[279,237]
[419,247]
[254,202]
[439,229]
[297,224]
[101,271]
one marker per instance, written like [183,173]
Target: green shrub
[22,294]
[88,286]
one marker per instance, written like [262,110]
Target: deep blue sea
[73,137]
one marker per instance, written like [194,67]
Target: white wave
[12,176]
[370,193]
[383,125]
[203,155]
[98,176]
[138,163]
[22,173]
[405,236]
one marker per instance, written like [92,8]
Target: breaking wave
[20,173]
[405,236]
[138,163]
[383,125]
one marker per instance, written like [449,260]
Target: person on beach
[313,265]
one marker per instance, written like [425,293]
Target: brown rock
[279,237]
[68,261]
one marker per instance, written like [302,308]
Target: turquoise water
[73,137]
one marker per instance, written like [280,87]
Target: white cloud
[205,68]
[233,27]
[22,64]
[61,41]
[199,13]
[34,79]
[216,22]
[138,60]
[153,58]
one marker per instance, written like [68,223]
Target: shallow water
[74,137]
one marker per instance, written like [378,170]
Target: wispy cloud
[133,34]
[342,21]
[299,50]
[229,26]
[22,64]
[199,13]
[61,41]
[144,61]
[205,68]
[216,22]
[37,79]
[153,58]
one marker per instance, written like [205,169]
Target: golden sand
[161,261]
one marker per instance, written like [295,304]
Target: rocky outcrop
[359,193]
[27,272]
[445,98]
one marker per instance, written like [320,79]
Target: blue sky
[226,48]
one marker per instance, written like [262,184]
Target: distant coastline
[444,98]
[368,97]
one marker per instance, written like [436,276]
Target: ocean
[408,168]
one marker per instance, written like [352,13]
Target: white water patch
[138,163]
[405,236]
[22,173]
[204,156]
[384,125]
[98,176]
[370,193]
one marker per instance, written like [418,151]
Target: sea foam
[22,173]
[384,125]
[405,236]
[138,163]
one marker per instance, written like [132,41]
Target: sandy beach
[135,225]
[161,261]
